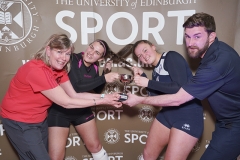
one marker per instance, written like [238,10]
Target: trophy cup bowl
[125,79]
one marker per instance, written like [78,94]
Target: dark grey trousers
[29,139]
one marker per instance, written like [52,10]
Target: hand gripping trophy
[125,79]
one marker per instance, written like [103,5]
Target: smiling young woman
[84,76]
[170,72]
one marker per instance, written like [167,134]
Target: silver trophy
[125,79]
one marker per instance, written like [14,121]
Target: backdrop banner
[26,24]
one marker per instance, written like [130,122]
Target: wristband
[94,102]
[102,96]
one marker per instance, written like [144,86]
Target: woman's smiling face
[93,53]
[146,53]
[58,58]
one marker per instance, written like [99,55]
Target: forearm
[65,96]
[82,103]
[169,99]
[58,96]
[86,95]
[168,88]
[93,101]
[162,100]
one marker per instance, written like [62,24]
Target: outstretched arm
[163,100]
[66,96]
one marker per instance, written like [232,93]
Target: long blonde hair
[58,41]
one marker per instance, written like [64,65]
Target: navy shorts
[189,120]
[62,117]
[225,143]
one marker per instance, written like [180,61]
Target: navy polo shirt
[218,79]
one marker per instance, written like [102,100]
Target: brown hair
[117,57]
[130,48]
[201,19]
[139,42]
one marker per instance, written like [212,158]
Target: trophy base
[123,97]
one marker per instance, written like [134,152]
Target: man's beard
[199,52]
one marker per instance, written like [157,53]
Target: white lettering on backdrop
[154,31]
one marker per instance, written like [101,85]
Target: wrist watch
[102,96]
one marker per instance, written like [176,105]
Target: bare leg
[89,134]
[180,145]
[57,142]
[157,139]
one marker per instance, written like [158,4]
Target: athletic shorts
[189,120]
[62,117]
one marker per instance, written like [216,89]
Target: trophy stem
[124,88]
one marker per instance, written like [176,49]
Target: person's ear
[212,37]
[153,47]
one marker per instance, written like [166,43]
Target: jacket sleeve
[95,84]
[81,84]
